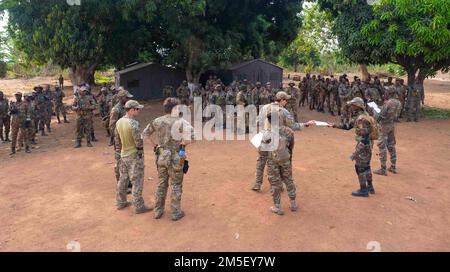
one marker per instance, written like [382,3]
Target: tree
[349,17]
[419,33]
[213,34]
[81,38]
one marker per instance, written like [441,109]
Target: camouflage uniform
[386,140]
[168,161]
[60,108]
[48,108]
[5,119]
[363,150]
[344,97]
[183,93]
[21,119]
[167,91]
[293,102]
[84,106]
[131,167]
[279,166]
[415,96]
[334,97]
[241,100]
[303,92]
[42,112]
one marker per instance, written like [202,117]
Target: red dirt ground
[58,194]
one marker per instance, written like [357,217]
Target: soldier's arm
[382,115]
[114,116]
[138,141]
[290,122]
[117,144]
[148,131]
[362,128]
[344,126]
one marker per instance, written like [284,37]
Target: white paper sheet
[321,124]
[257,139]
[374,106]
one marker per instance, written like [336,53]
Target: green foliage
[101,78]
[395,69]
[3,70]
[435,113]
[418,31]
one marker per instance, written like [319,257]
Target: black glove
[186,166]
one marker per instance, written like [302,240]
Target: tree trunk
[364,72]
[295,66]
[411,76]
[82,74]
[421,76]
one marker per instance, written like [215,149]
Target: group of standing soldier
[30,114]
[333,94]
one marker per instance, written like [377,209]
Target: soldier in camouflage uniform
[21,118]
[363,151]
[416,95]
[183,93]
[170,156]
[129,150]
[321,92]
[117,112]
[84,106]
[241,100]
[386,141]
[344,96]
[60,107]
[334,97]
[5,119]
[265,97]
[167,91]
[41,108]
[312,92]
[303,86]
[293,101]
[48,107]
[279,161]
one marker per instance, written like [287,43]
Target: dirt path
[59,194]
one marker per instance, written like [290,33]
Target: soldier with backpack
[366,132]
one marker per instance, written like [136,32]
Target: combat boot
[77,144]
[33,142]
[416,120]
[257,187]
[294,206]
[88,144]
[7,138]
[43,133]
[178,216]
[363,192]
[382,171]
[27,149]
[158,214]
[1,138]
[121,207]
[143,209]
[277,209]
[393,169]
[13,151]
[408,120]
[57,118]
[111,141]
[93,137]
[65,120]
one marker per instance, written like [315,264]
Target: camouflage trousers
[83,127]
[19,131]
[131,169]
[413,109]
[60,109]
[5,121]
[303,99]
[280,173]
[31,134]
[386,142]
[363,156]
[260,165]
[176,178]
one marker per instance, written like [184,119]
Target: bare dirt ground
[58,194]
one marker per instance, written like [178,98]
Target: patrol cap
[124,93]
[18,93]
[268,83]
[83,89]
[258,83]
[282,95]
[103,89]
[357,101]
[133,104]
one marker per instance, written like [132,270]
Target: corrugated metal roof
[133,68]
[245,63]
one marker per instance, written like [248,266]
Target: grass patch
[101,78]
[435,113]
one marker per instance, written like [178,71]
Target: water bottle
[182,154]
